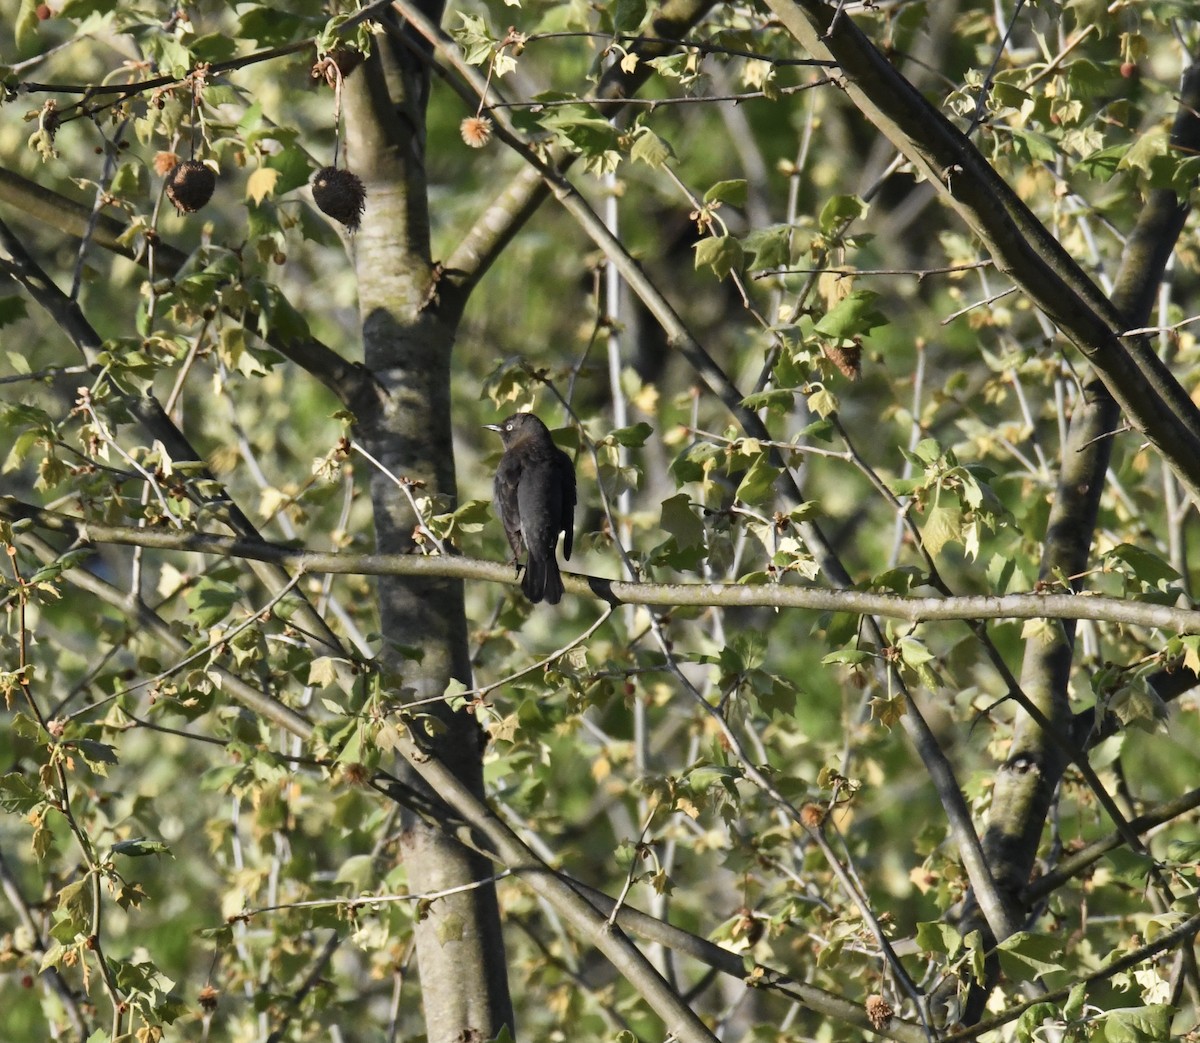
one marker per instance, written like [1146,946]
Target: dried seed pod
[848,359]
[879,1011]
[190,186]
[340,195]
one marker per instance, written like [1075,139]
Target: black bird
[534,497]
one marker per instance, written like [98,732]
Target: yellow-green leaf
[261,184]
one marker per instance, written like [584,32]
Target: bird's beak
[493,427]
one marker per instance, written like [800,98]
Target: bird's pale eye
[508,427]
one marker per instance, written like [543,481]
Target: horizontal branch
[1097,607]
[124,91]
[490,837]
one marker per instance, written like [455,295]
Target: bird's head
[518,428]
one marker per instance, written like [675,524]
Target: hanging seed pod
[340,195]
[848,359]
[190,186]
[476,131]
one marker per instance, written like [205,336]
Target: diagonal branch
[347,380]
[1147,392]
[507,847]
[516,203]
[681,339]
[149,412]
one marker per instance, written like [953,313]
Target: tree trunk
[406,426]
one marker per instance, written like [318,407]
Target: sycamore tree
[868,710]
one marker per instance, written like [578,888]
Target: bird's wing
[566,484]
[505,501]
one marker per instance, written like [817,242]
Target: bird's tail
[542,580]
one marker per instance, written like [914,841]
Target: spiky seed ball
[879,1011]
[476,131]
[208,999]
[190,186]
[340,195]
[812,815]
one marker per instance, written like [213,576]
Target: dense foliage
[814,396]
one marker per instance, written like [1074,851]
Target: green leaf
[732,192]
[710,775]
[17,795]
[169,54]
[634,437]
[937,937]
[140,847]
[1148,1024]
[722,253]
[73,909]
[213,47]
[1033,1019]
[1025,955]
[771,247]
[12,309]
[823,402]
[756,484]
[681,522]
[855,315]
[1103,164]
[1009,94]
[273,26]
[358,871]
[211,601]
[778,399]
[942,525]
[1137,705]
[914,651]
[25,25]
[1089,79]
[1145,150]
[95,754]
[294,168]
[1145,566]
[583,128]
[627,15]
[322,671]
[1031,147]
[649,148]
[474,38]
[846,657]
[838,210]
